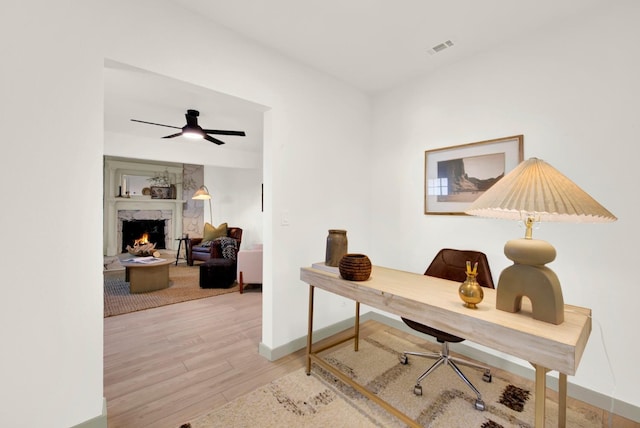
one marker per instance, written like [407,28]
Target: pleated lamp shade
[536,189]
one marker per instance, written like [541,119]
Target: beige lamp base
[529,277]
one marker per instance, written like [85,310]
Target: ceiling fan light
[192,135]
[192,132]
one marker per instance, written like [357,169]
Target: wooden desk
[435,302]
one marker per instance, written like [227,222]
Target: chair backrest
[235,233]
[452,264]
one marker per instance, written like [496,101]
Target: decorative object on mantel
[470,291]
[201,194]
[355,267]
[160,192]
[336,247]
[535,191]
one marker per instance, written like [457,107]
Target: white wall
[573,91]
[315,169]
[236,200]
[51,309]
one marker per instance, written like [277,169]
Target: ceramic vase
[336,247]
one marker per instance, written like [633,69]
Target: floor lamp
[201,194]
[535,191]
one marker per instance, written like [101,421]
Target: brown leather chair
[197,251]
[451,264]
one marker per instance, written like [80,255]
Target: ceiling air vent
[440,47]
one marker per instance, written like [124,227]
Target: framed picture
[160,192]
[456,176]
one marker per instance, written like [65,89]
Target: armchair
[197,251]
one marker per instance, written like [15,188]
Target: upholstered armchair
[250,266]
[208,247]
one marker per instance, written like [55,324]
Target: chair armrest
[194,241]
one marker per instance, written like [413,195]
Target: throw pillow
[211,232]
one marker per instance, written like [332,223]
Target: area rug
[184,286]
[321,400]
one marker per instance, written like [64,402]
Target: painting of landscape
[465,179]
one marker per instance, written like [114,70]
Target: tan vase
[336,247]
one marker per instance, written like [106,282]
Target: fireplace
[158,224]
[152,231]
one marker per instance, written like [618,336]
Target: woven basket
[355,267]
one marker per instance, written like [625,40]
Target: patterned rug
[184,285]
[320,400]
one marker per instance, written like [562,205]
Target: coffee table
[147,276]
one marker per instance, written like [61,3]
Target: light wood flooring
[168,365]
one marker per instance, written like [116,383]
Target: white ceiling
[377,44]
[371,44]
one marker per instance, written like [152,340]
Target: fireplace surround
[119,209]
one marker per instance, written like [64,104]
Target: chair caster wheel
[487,376]
[479,405]
[417,390]
[404,359]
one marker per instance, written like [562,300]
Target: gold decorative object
[470,291]
[355,267]
[532,192]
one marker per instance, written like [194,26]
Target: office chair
[451,264]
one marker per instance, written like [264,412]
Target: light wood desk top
[435,302]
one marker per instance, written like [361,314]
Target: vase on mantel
[336,247]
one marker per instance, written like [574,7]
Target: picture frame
[454,177]
[158,192]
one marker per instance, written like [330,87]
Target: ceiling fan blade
[173,135]
[213,140]
[221,132]
[159,124]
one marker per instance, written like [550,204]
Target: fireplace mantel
[113,172]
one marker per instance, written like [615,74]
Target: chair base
[443,358]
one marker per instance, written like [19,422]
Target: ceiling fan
[193,130]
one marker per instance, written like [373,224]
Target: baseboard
[301,342]
[588,396]
[97,422]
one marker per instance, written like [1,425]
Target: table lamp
[534,191]
[201,194]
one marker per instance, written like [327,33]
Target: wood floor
[168,365]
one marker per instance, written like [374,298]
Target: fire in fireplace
[136,232]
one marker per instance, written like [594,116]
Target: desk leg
[356,340]
[562,400]
[310,329]
[540,395]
